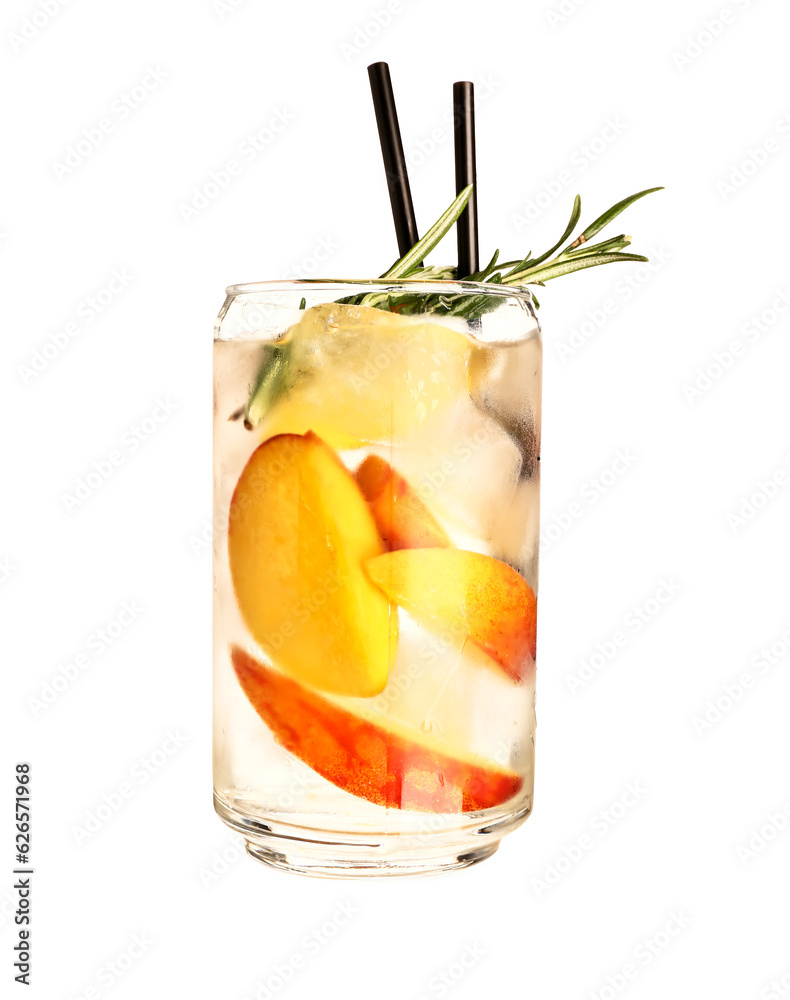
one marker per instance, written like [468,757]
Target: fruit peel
[393,769]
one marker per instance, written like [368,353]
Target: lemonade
[376,540]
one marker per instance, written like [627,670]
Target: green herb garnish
[274,371]
[576,256]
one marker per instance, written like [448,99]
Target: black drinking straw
[394,160]
[466,173]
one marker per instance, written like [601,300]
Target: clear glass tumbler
[376,478]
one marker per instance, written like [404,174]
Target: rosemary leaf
[612,213]
[606,246]
[555,269]
[435,234]
[576,212]
[483,275]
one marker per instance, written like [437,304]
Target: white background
[692,103]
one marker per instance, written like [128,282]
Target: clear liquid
[460,423]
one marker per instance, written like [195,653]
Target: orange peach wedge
[403,520]
[299,531]
[398,770]
[468,593]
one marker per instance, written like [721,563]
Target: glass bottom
[325,854]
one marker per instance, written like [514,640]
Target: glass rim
[439,286]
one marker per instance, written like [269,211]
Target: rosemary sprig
[273,375]
[528,270]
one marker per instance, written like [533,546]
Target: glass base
[299,859]
[325,854]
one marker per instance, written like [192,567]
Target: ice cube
[354,375]
[447,689]
[466,471]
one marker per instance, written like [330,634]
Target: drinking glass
[376,499]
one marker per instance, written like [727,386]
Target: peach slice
[398,770]
[299,531]
[468,593]
[402,518]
